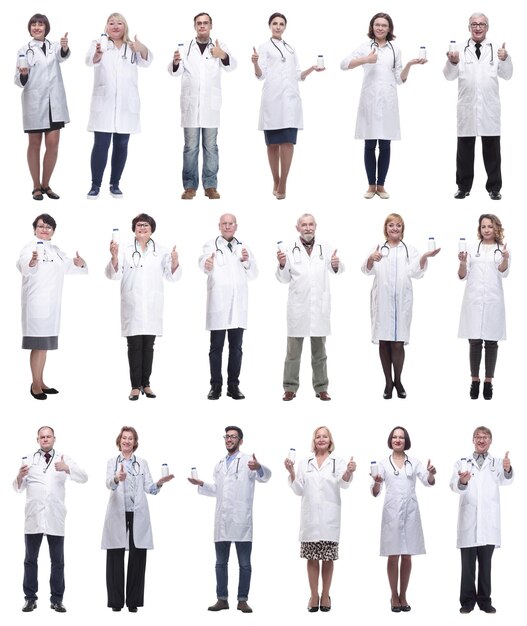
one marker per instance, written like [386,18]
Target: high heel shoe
[474,389]
[133,397]
[487,391]
[326,608]
[37,396]
[401,393]
[312,609]
[148,394]
[388,392]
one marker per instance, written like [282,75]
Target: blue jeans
[99,156]
[243,550]
[56,555]
[209,174]
[376,171]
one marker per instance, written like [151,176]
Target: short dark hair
[407,442]
[47,219]
[203,13]
[38,17]
[144,217]
[129,429]
[277,15]
[237,429]
[389,35]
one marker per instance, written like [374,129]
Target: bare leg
[52,138]
[37,361]
[33,157]
[286,156]
[312,576]
[406,568]
[327,576]
[273,155]
[393,578]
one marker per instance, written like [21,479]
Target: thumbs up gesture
[140,48]
[376,255]
[78,261]
[506,462]
[253,464]
[335,260]
[502,53]
[121,474]
[64,42]
[61,466]
[175,259]
[209,263]
[505,253]
[255,56]
[352,466]
[217,52]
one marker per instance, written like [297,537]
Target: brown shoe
[188,194]
[219,606]
[323,395]
[288,396]
[212,193]
[244,607]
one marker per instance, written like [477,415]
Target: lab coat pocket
[97,101]
[215,98]
[39,307]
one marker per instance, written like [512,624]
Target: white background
[181,427]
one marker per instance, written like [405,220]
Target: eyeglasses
[44,226]
[230,437]
[478,25]
[142,225]
[482,438]
[227,224]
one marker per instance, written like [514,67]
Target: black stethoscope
[136,466]
[286,47]
[236,472]
[45,258]
[388,43]
[407,466]
[297,250]
[487,44]
[474,462]
[37,44]
[385,250]
[498,254]
[234,239]
[136,254]
[210,45]
[310,467]
[41,454]
[125,55]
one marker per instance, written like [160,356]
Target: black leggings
[491,355]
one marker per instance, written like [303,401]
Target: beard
[308,238]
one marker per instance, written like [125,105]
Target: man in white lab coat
[229,265]
[43,476]
[477,65]
[234,480]
[306,266]
[200,62]
[477,480]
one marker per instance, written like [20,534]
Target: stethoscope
[125,55]
[297,253]
[407,466]
[236,472]
[41,453]
[193,41]
[385,250]
[388,43]
[491,52]
[234,239]
[286,47]
[474,462]
[45,258]
[136,466]
[498,254]
[310,466]
[136,254]
[37,44]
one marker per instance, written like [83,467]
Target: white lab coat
[320,490]
[142,297]
[483,308]
[478,101]
[281,106]
[115,104]
[401,529]
[114,534]
[378,113]
[44,87]
[309,301]
[233,489]
[227,289]
[391,298]
[46,492]
[478,521]
[42,288]
[200,97]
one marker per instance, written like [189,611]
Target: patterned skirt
[319,550]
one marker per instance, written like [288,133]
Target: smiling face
[143,231]
[232,441]
[127,443]
[322,441]
[482,441]
[306,226]
[46,439]
[43,231]
[398,440]
[478,27]
[228,226]
[37,30]
[277,27]
[117,28]
[381,28]
[394,230]
[203,26]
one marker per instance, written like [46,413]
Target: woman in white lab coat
[276,63]
[378,114]
[318,480]
[401,530]
[127,522]
[141,267]
[393,265]
[482,318]
[115,104]
[43,266]
[44,106]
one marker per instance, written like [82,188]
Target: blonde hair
[498,227]
[390,218]
[331,442]
[121,18]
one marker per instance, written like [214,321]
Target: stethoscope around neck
[407,466]
[236,471]
[124,56]
[137,255]
[37,44]
[195,41]
[41,453]
[487,44]
[310,465]
[498,254]
[388,43]
[136,466]
[233,241]
[297,252]
[286,47]
[385,249]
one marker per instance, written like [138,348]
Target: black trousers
[56,555]
[135,575]
[491,160]
[234,365]
[469,596]
[140,359]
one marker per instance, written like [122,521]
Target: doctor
[318,480]
[477,65]
[234,481]
[306,266]
[477,480]
[115,104]
[141,267]
[127,522]
[44,106]
[229,265]
[200,62]
[43,476]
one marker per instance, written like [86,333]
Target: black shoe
[405,608]
[50,391]
[29,605]
[487,391]
[37,396]
[495,195]
[401,393]
[233,391]
[220,605]
[488,609]
[116,608]
[93,194]
[133,397]
[388,391]
[132,609]
[148,394]
[58,606]
[214,393]
[326,608]
[474,389]
[460,194]
[466,609]
[50,193]
[115,192]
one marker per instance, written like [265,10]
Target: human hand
[217,52]
[431,253]
[371,58]
[290,467]
[351,466]
[506,462]
[78,261]
[137,46]
[255,56]
[418,61]
[195,481]
[121,474]
[335,261]
[376,255]
[175,259]
[209,263]
[317,68]
[505,253]
[453,56]
[464,477]
[34,259]
[244,256]
[462,256]
[253,464]
[164,479]
[430,468]
[502,53]
[64,42]
[177,58]
[61,466]
[282,258]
